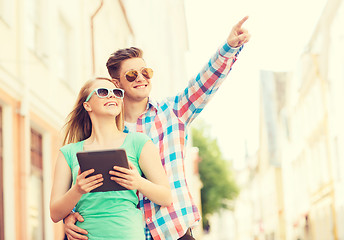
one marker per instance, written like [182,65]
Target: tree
[219,187]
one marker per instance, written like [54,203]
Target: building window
[2,218]
[2,9]
[337,159]
[34,28]
[36,221]
[64,46]
[6,11]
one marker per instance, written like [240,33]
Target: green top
[113,214]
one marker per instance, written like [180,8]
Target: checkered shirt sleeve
[191,101]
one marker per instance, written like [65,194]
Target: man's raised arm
[191,101]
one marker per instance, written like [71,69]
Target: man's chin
[142,98]
[141,95]
[137,98]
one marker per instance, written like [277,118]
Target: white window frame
[34,28]
[8,170]
[65,49]
[48,227]
[41,217]
[7,11]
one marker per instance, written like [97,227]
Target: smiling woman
[110,214]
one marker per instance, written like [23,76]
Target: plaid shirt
[166,124]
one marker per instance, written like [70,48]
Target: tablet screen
[102,162]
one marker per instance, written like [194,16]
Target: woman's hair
[114,62]
[79,126]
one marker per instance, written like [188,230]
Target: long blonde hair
[79,126]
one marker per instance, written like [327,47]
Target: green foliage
[219,187]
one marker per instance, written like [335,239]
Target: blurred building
[260,212]
[335,79]
[48,49]
[192,160]
[299,175]
[247,209]
[46,54]
[313,171]
[272,134]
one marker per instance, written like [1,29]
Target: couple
[163,197]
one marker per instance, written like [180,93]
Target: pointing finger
[241,22]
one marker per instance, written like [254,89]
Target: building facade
[46,55]
[299,175]
[315,138]
[48,50]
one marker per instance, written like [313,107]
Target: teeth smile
[111,104]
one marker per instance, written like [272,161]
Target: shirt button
[148,220]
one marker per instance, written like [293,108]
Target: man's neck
[134,109]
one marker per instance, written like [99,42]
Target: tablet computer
[102,162]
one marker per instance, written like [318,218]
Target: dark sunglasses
[105,92]
[132,75]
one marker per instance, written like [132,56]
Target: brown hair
[114,62]
[79,126]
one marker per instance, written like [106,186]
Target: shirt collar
[152,103]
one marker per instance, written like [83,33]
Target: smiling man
[166,123]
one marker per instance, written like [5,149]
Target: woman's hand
[85,185]
[63,197]
[128,178]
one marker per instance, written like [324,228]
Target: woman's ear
[87,107]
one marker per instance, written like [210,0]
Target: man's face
[138,89]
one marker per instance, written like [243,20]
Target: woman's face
[109,105]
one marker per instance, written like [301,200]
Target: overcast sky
[280,30]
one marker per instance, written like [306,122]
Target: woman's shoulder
[70,147]
[138,136]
